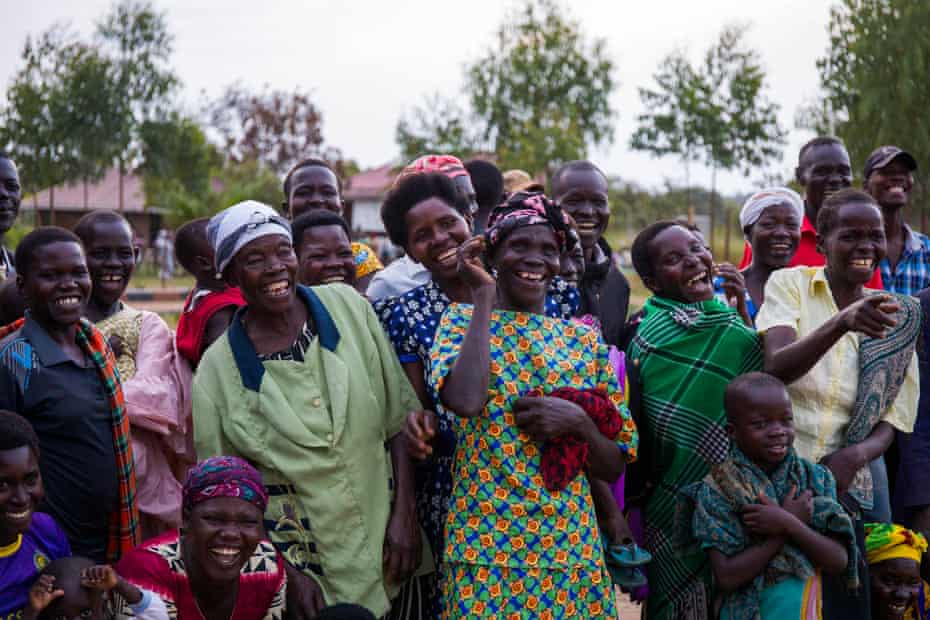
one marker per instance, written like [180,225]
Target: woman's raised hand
[871,315]
[471,266]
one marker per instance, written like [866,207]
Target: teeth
[18,515]
[277,289]
[587,226]
[533,277]
[697,278]
[225,551]
[332,279]
[447,255]
[862,262]
[112,278]
[68,301]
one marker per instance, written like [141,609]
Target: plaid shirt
[912,273]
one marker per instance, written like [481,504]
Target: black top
[605,293]
[67,407]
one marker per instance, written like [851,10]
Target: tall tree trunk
[51,205]
[713,206]
[85,193]
[728,217]
[121,174]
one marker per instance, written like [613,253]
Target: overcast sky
[365,62]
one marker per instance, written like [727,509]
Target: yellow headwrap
[886,541]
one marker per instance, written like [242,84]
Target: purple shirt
[43,542]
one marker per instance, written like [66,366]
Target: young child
[155,379]
[894,554]
[210,306]
[324,251]
[74,587]
[769,520]
[29,540]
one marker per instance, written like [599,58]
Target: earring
[218,276]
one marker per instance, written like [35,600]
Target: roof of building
[102,194]
[371,184]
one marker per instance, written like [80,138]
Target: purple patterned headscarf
[526,209]
[224,476]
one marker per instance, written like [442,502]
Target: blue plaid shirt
[912,273]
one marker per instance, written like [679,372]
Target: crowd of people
[481,428]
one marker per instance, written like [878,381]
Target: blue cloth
[912,273]
[42,543]
[720,294]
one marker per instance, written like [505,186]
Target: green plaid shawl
[684,355]
[124,522]
[708,517]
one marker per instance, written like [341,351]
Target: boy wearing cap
[888,179]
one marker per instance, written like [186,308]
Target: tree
[542,93]
[716,111]
[874,77]
[275,128]
[176,151]
[136,38]
[440,125]
[34,130]
[668,125]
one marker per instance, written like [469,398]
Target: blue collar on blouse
[250,366]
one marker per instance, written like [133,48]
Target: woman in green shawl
[685,352]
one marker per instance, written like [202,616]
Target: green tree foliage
[716,111]
[176,150]
[136,38]
[874,76]
[440,125]
[33,129]
[542,92]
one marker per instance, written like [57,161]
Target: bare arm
[414,372]
[789,358]
[822,550]
[465,390]
[734,571]
[216,325]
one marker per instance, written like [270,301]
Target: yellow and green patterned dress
[513,548]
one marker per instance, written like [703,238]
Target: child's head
[894,554]
[111,254]
[78,602]
[324,251]
[759,418]
[21,488]
[193,249]
[52,276]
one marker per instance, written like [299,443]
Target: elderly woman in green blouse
[305,385]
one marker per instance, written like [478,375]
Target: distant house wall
[366,216]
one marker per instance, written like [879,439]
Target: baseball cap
[884,155]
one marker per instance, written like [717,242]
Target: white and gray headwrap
[768,197]
[229,230]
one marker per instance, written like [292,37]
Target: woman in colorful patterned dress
[521,532]
[429,218]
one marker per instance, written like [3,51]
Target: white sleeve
[151,607]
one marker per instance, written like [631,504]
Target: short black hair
[16,432]
[829,214]
[572,166]
[818,141]
[315,219]
[747,384]
[488,182]
[87,222]
[36,239]
[190,240]
[639,252]
[412,191]
[310,162]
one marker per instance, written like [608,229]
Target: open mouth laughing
[226,557]
[70,302]
[530,276]
[277,289]
[447,258]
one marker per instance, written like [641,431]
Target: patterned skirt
[513,593]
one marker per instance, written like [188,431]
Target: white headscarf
[229,230]
[768,197]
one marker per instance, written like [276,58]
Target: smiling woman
[219,562]
[304,384]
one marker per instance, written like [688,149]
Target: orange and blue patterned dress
[513,547]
